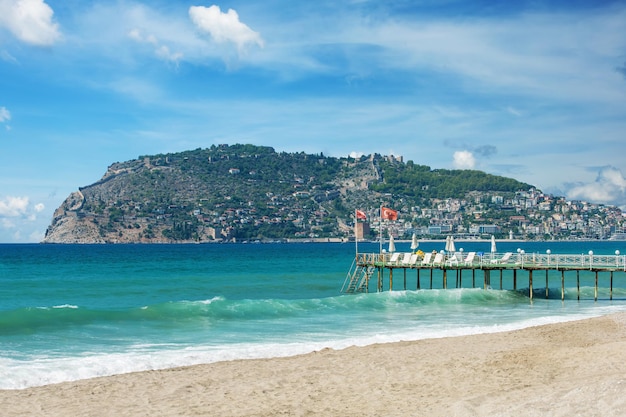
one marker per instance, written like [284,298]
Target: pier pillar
[418,278]
[390,279]
[530,284]
[547,287]
[578,284]
[515,279]
[562,285]
[487,278]
[380,280]
[404,269]
[445,278]
[611,290]
[595,290]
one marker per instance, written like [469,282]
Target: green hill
[247,192]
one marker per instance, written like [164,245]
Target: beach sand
[567,369]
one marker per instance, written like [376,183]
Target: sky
[533,90]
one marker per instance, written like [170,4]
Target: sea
[71,312]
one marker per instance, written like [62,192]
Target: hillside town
[528,215]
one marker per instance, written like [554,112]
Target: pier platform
[368,267]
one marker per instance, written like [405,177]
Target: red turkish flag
[388,214]
[361,215]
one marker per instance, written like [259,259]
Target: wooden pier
[374,266]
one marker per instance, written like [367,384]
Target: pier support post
[473,278]
[431,278]
[547,287]
[380,279]
[530,284]
[562,285]
[445,278]
[487,278]
[404,269]
[578,284]
[611,290]
[418,278]
[515,279]
[595,290]
[390,279]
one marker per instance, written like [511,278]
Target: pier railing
[495,261]
[368,265]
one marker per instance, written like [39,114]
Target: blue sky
[534,90]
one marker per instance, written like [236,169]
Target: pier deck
[368,266]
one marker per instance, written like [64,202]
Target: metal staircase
[357,279]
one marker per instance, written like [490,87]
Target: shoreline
[567,368]
[316,240]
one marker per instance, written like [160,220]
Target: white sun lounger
[505,258]
[438,259]
[394,258]
[469,260]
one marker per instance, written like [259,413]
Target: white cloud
[5,115]
[355,154]
[608,188]
[36,236]
[6,224]
[30,21]
[13,206]
[224,27]
[535,54]
[39,207]
[464,160]
[7,57]
[514,111]
[162,51]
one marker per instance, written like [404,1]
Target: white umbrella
[414,243]
[493,244]
[447,248]
[392,246]
[451,247]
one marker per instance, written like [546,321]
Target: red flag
[361,215]
[388,214]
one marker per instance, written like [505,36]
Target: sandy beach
[567,369]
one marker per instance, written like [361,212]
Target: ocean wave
[219,309]
[43,370]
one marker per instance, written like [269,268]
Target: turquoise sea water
[70,312]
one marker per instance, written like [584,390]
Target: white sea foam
[37,371]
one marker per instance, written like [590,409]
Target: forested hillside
[422,182]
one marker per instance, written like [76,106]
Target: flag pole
[380,230]
[356,237]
